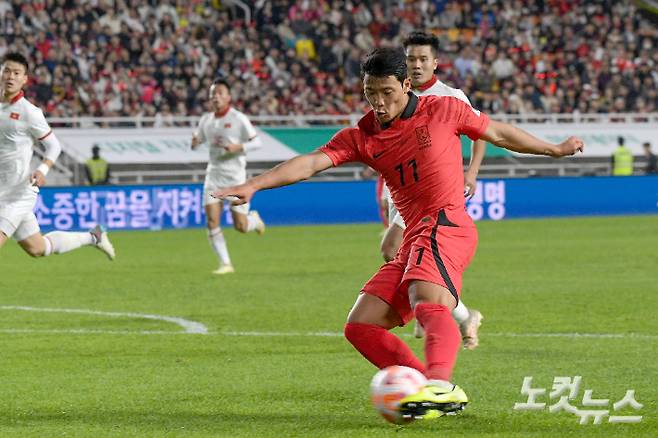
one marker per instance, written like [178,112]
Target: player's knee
[353,332]
[388,252]
[389,249]
[442,297]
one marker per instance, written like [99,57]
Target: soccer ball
[391,385]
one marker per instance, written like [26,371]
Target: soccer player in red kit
[414,143]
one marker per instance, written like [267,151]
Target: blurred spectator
[652,162]
[622,159]
[96,168]
[130,57]
[164,117]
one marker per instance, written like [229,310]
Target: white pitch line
[280,334]
[320,334]
[574,335]
[190,327]
[485,334]
[197,328]
[94,332]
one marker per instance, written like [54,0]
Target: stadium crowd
[157,58]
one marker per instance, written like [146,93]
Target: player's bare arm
[517,140]
[478,149]
[288,172]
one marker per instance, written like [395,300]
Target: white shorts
[386,195]
[213,183]
[17,217]
[393,215]
[396,219]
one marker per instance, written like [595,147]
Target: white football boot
[102,241]
[224,269]
[260,225]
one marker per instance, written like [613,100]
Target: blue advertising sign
[154,207]
[121,207]
[581,196]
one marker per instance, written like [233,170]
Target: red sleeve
[469,121]
[343,146]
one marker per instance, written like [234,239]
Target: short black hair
[385,61]
[16,57]
[221,81]
[620,140]
[420,38]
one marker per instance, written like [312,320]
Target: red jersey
[419,155]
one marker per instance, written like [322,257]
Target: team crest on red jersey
[14,116]
[423,137]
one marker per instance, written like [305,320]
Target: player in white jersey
[21,125]
[422,50]
[229,135]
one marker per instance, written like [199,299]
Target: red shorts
[430,252]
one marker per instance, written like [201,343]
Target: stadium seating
[156,58]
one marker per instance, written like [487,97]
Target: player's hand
[238,195]
[470,184]
[195,142]
[229,145]
[37,178]
[568,147]
[368,173]
[233,147]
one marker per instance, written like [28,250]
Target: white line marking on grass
[196,328]
[189,327]
[292,334]
[322,334]
[575,335]
[485,334]
[94,332]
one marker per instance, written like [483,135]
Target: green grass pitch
[535,281]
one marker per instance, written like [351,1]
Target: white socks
[216,239]
[252,222]
[460,313]
[441,384]
[48,247]
[59,242]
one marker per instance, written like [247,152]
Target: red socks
[442,339]
[384,349]
[381,347]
